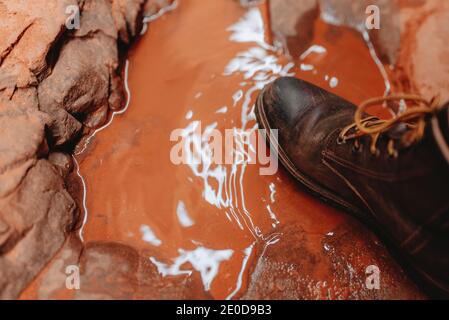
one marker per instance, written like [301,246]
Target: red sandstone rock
[154,6]
[354,14]
[296,268]
[423,59]
[35,218]
[22,133]
[52,82]
[29,30]
[412,37]
[292,23]
[110,271]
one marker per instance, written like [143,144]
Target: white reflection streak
[260,65]
[250,29]
[157,15]
[313,49]
[248,251]
[272,187]
[379,63]
[205,261]
[329,17]
[149,236]
[262,68]
[183,216]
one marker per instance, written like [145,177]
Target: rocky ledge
[60,76]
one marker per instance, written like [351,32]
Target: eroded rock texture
[295,268]
[110,271]
[55,83]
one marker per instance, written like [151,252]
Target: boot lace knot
[413,118]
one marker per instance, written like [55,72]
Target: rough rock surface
[293,268]
[110,271]
[296,28]
[412,38]
[54,83]
[356,14]
[35,219]
[154,6]
[423,58]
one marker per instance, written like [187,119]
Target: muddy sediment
[149,229]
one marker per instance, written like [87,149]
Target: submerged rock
[295,267]
[411,38]
[292,23]
[107,270]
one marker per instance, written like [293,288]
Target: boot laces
[413,117]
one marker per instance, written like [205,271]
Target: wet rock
[88,68]
[97,118]
[79,83]
[333,266]
[292,23]
[38,216]
[22,134]
[53,82]
[116,271]
[109,270]
[117,95]
[356,14]
[29,29]
[154,6]
[411,39]
[423,61]
[132,11]
[62,162]
[63,126]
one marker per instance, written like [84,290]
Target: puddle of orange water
[206,61]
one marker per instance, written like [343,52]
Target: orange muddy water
[200,67]
[206,61]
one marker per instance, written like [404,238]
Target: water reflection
[223,184]
[204,218]
[205,261]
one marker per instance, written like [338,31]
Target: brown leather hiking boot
[392,174]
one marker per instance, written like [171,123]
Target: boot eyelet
[376,152]
[357,149]
[394,155]
[341,140]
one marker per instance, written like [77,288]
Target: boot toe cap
[286,99]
